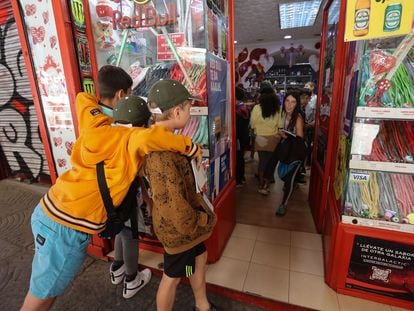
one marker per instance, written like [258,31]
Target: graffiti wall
[20,140]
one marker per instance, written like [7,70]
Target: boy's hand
[199,156]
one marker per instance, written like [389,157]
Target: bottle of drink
[392,19]
[361,19]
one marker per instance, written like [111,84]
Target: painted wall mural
[19,131]
[251,66]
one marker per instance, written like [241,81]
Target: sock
[117,264]
[130,277]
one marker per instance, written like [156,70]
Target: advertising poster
[220,173]
[163,48]
[216,93]
[217,102]
[382,267]
[367,19]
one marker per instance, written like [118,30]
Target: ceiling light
[298,14]
[235,41]
[287,37]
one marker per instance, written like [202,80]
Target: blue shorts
[59,254]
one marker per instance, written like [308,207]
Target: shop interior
[287,48]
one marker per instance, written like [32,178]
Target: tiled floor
[278,264]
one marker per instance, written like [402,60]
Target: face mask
[107,111]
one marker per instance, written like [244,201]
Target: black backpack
[127,210]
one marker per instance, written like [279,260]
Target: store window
[328,78]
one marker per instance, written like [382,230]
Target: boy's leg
[118,251]
[117,268]
[198,283]
[32,303]
[129,251]
[59,254]
[166,293]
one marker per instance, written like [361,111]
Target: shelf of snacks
[384,145]
[378,195]
[386,75]
[379,187]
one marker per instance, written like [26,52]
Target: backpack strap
[103,189]
[109,206]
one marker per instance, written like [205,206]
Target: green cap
[132,110]
[167,94]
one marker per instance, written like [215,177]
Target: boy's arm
[89,112]
[158,138]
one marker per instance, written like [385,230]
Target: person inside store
[242,136]
[266,120]
[291,151]
[182,220]
[305,96]
[130,111]
[312,103]
[72,209]
[310,110]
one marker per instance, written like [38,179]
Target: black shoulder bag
[127,210]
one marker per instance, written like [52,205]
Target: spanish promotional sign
[382,267]
[367,19]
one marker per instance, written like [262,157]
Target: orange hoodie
[74,200]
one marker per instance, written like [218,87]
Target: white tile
[306,240]
[239,248]
[310,291]
[349,303]
[274,255]
[307,261]
[268,282]
[228,272]
[245,231]
[275,236]
[150,259]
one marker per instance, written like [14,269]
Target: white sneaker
[134,286]
[117,276]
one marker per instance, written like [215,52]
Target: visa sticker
[359,177]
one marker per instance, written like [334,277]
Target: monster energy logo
[77,12]
[188,271]
[88,86]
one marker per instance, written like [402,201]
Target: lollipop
[380,62]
